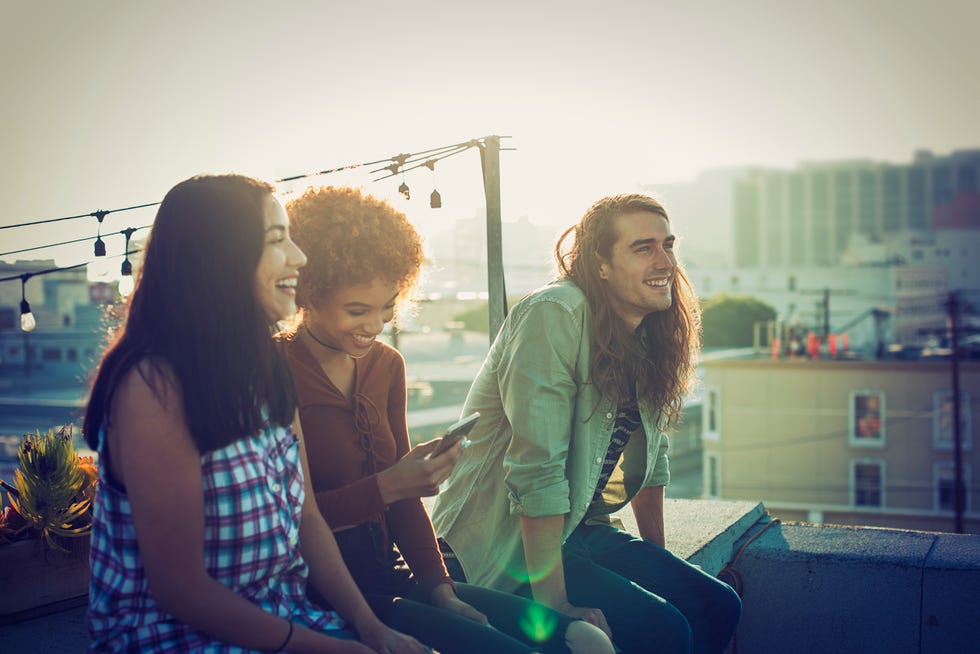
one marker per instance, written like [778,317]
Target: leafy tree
[729,320]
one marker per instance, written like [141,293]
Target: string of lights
[52,245]
[396,165]
[99,215]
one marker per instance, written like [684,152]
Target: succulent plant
[49,487]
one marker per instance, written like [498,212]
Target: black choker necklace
[323,343]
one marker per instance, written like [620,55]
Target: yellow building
[842,442]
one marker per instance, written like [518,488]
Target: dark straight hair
[194,321]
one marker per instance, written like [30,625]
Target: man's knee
[584,638]
[671,633]
[726,605]
[663,630]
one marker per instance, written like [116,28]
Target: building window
[867,482]
[712,475]
[51,354]
[867,418]
[942,420]
[710,417]
[72,354]
[944,476]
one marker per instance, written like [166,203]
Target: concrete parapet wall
[805,588]
[811,588]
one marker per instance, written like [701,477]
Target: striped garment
[253,497]
[627,421]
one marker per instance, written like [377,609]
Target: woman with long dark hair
[205,529]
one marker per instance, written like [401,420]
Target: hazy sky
[107,104]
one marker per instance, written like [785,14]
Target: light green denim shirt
[541,440]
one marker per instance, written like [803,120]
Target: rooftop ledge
[804,587]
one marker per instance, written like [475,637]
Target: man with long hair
[581,384]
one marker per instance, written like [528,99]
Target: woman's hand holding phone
[456,433]
[417,475]
[420,472]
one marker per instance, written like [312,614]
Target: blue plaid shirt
[253,498]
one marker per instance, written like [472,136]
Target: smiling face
[352,317]
[639,271]
[278,269]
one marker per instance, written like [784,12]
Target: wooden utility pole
[823,306]
[497,294]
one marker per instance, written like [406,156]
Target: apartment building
[842,441]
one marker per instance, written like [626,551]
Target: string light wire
[397,164]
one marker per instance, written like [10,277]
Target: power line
[917,414]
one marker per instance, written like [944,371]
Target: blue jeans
[520,626]
[652,600]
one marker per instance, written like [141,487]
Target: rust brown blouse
[349,441]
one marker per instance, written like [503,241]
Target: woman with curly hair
[364,259]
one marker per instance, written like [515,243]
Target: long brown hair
[661,356]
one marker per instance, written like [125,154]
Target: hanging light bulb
[126,285]
[435,200]
[126,282]
[27,321]
[99,243]
[403,189]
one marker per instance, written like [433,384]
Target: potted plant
[45,526]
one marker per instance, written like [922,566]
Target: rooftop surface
[805,588]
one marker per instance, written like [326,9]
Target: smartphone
[454,433]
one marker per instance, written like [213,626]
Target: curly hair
[662,359]
[352,238]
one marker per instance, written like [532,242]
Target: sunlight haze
[107,104]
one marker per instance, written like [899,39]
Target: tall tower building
[809,215]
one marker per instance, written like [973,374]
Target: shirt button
[293,539]
[276,488]
[598,459]
[609,415]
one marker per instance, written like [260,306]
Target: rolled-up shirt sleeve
[660,474]
[538,390]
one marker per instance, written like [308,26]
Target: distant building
[808,216]
[459,257]
[71,315]
[829,245]
[843,442]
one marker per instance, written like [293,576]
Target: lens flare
[537,623]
